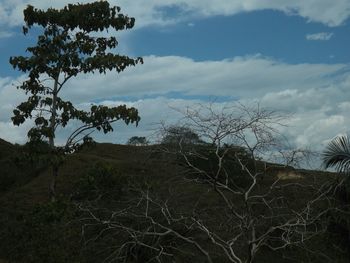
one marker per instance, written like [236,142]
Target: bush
[41,235]
[137,141]
[101,181]
[180,134]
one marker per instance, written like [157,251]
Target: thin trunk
[252,246]
[52,188]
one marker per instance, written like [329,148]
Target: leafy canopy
[337,154]
[137,140]
[180,134]
[68,46]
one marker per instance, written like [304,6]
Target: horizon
[289,57]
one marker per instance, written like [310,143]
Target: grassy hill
[108,178]
[13,172]
[5,147]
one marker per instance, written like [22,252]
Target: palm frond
[337,154]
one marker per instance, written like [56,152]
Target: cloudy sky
[290,55]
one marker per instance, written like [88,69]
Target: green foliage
[337,154]
[180,134]
[6,149]
[136,140]
[49,213]
[206,158]
[34,230]
[338,231]
[42,234]
[71,17]
[64,49]
[7,176]
[67,47]
[101,181]
[36,153]
[18,165]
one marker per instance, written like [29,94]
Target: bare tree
[252,210]
[260,215]
[148,230]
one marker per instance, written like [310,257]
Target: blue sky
[291,56]
[270,33]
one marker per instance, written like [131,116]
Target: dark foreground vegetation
[203,195]
[121,203]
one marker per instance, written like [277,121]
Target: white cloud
[6,34]
[243,77]
[318,131]
[154,12]
[9,97]
[323,36]
[317,94]
[319,113]
[12,133]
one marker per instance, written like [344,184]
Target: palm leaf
[337,154]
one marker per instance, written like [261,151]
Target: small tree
[337,154]
[66,48]
[137,141]
[180,134]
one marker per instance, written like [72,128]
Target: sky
[290,56]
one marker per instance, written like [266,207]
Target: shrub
[42,234]
[101,181]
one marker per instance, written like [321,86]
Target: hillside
[107,178]
[13,171]
[6,149]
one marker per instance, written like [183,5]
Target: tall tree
[68,46]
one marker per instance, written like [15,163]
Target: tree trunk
[54,165]
[52,189]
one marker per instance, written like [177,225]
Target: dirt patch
[287,175]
